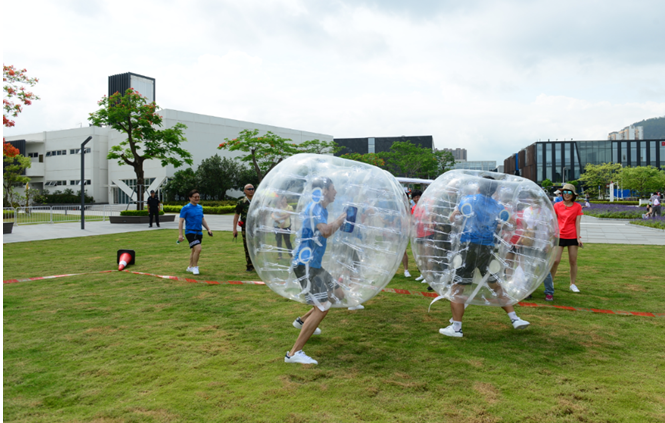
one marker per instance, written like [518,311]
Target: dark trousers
[287,241]
[156,214]
[250,266]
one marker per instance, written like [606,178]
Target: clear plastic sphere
[303,198]
[484,241]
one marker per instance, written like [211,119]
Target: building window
[371,146]
[33,155]
[48,154]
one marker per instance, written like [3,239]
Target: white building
[56,159]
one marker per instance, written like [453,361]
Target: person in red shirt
[569,214]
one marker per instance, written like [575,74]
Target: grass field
[117,347]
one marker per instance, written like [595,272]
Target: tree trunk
[140,188]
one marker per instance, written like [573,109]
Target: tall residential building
[628,133]
[458,153]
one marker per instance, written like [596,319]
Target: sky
[489,76]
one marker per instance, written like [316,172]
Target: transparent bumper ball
[484,238]
[291,253]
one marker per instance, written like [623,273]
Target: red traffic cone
[125,258]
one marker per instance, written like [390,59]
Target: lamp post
[563,175]
[83,181]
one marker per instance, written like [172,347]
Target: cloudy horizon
[491,77]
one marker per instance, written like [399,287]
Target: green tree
[643,179]
[180,184]
[369,158]
[411,161]
[547,184]
[133,115]
[267,151]
[247,175]
[600,175]
[445,161]
[13,166]
[216,175]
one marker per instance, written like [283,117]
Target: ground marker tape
[389,290]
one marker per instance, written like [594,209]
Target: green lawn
[117,347]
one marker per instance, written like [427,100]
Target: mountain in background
[654,128]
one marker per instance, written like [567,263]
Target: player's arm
[205,225]
[327,229]
[578,221]
[235,224]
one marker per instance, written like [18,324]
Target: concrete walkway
[594,231]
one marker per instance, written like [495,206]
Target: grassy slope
[121,347]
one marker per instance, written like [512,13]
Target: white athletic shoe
[574,288]
[195,270]
[298,325]
[407,274]
[358,307]
[520,324]
[190,269]
[449,331]
[299,357]
[421,278]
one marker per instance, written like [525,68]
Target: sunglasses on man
[249,189]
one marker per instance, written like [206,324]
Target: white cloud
[492,77]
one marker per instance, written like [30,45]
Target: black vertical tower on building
[143,84]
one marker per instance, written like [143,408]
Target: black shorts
[474,256]
[194,239]
[321,284]
[563,242]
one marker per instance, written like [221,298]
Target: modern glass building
[561,161]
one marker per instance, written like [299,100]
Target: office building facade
[561,161]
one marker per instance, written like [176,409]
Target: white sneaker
[449,331]
[299,357]
[195,270]
[420,278]
[298,325]
[574,288]
[358,307]
[520,324]
[407,274]
[190,269]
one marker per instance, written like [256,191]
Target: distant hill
[654,128]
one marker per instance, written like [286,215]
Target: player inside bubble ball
[319,286]
[478,241]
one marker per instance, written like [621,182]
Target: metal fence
[57,214]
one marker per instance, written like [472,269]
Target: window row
[71,182]
[78,150]
[35,155]
[62,152]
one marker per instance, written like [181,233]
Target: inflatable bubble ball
[484,238]
[327,231]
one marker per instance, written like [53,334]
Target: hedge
[137,213]
[206,210]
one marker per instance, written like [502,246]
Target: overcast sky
[488,76]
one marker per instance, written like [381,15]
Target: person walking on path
[240,219]
[192,216]
[322,290]
[153,207]
[569,215]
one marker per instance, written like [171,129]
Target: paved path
[594,231]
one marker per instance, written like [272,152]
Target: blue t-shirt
[480,227]
[193,215]
[312,243]
[558,199]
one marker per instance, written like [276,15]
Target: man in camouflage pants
[240,218]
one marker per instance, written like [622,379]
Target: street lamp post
[83,181]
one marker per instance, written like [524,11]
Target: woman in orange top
[569,214]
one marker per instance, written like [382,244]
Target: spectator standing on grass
[282,225]
[191,215]
[655,200]
[240,219]
[153,208]
[569,215]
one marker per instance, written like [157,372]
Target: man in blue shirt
[321,290]
[558,198]
[192,215]
[477,238]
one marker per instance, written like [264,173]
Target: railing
[58,214]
